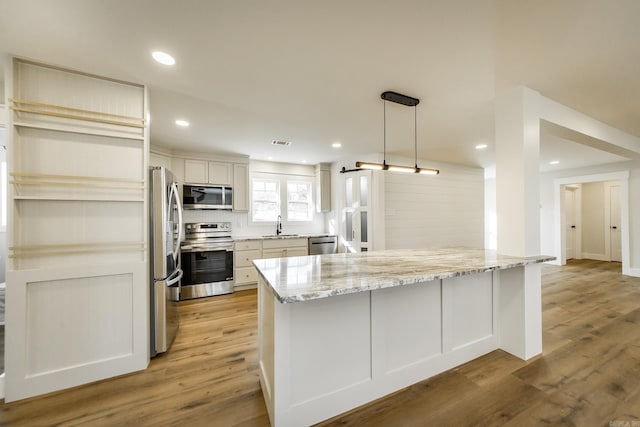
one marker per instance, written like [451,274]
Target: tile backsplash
[242,227]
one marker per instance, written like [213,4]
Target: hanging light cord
[384,136]
[415,132]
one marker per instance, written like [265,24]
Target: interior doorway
[613,199]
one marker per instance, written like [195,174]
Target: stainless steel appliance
[207,260]
[165,235]
[323,245]
[195,196]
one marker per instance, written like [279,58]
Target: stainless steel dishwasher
[323,245]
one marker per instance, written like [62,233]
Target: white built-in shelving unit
[77,279]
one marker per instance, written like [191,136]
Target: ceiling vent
[281,143]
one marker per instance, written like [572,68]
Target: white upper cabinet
[323,187]
[196,171]
[204,172]
[240,187]
[220,173]
[156,159]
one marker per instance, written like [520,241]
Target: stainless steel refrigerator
[164,240]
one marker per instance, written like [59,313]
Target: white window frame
[279,198]
[284,180]
[309,203]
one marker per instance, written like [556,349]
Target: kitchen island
[338,331]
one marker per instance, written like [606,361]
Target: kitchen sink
[281,235]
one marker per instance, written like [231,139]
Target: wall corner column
[517,121]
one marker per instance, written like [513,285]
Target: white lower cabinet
[245,275]
[282,248]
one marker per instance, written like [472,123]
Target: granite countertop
[282,236]
[306,278]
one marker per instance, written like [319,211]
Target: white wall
[435,211]
[423,211]
[593,246]
[490,215]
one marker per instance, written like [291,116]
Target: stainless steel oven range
[207,260]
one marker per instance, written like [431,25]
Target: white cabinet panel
[247,245]
[316,371]
[284,243]
[204,172]
[240,187]
[472,314]
[220,173]
[416,305]
[82,324]
[244,273]
[196,171]
[323,188]
[245,276]
[244,258]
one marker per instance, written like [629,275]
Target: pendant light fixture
[409,102]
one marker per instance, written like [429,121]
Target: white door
[614,223]
[570,221]
[356,216]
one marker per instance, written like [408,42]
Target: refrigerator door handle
[174,194]
[171,280]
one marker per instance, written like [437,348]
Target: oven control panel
[200,230]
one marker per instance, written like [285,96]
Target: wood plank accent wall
[426,211]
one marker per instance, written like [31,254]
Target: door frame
[559,238]
[607,217]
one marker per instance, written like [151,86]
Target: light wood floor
[588,375]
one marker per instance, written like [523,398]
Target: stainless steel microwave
[196,196]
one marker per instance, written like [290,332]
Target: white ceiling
[312,73]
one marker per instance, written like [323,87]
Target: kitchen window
[299,203]
[265,203]
[268,199]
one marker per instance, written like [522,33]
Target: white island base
[323,357]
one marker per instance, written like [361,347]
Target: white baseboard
[635,272]
[597,257]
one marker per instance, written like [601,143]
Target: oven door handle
[171,280]
[192,249]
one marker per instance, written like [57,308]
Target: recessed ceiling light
[269,158]
[554,162]
[163,57]
[481,146]
[304,161]
[182,123]
[336,145]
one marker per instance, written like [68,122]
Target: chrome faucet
[279,225]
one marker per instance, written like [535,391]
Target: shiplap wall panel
[428,211]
